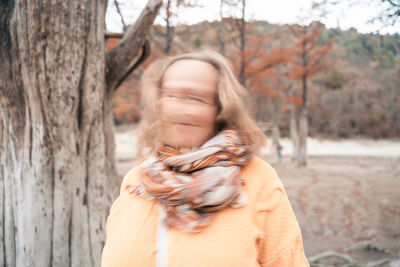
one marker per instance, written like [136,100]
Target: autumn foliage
[335,74]
[307,57]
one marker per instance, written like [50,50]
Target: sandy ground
[350,205]
[347,199]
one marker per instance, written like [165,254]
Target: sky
[343,15]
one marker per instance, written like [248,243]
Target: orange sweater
[263,233]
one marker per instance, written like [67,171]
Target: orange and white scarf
[191,187]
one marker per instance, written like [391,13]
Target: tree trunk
[356,108]
[337,115]
[242,33]
[54,135]
[169,29]
[294,136]
[221,33]
[301,152]
[275,127]
[57,172]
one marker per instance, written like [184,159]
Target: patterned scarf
[192,186]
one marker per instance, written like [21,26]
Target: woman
[201,197]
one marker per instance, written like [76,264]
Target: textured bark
[2,198]
[57,172]
[119,59]
[55,154]
[135,64]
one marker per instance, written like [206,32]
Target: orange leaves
[309,58]
[262,89]
[267,60]
[125,111]
[111,43]
[296,101]
[297,71]
[261,61]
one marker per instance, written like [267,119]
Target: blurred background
[323,79]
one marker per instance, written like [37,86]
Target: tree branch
[118,60]
[120,14]
[393,3]
[145,53]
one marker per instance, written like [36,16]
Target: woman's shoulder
[259,164]
[260,175]
[130,178]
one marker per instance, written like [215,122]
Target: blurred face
[188,103]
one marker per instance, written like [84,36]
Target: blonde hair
[232,113]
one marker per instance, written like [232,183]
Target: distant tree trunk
[171,11]
[356,108]
[338,114]
[242,33]
[169,29]
[302,143]
[221,34]
[275,125]
[310,59]
[390,92]
[301,152]
[294,136]
[396,118]
[57,172]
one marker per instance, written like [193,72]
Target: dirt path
[350,205]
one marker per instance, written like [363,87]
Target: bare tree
[294,135]
[308,59]
[388,16]
[57,172]
[221,33]
[223,5]
[169,29]
[241,26]
[116,3]
[171,12]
